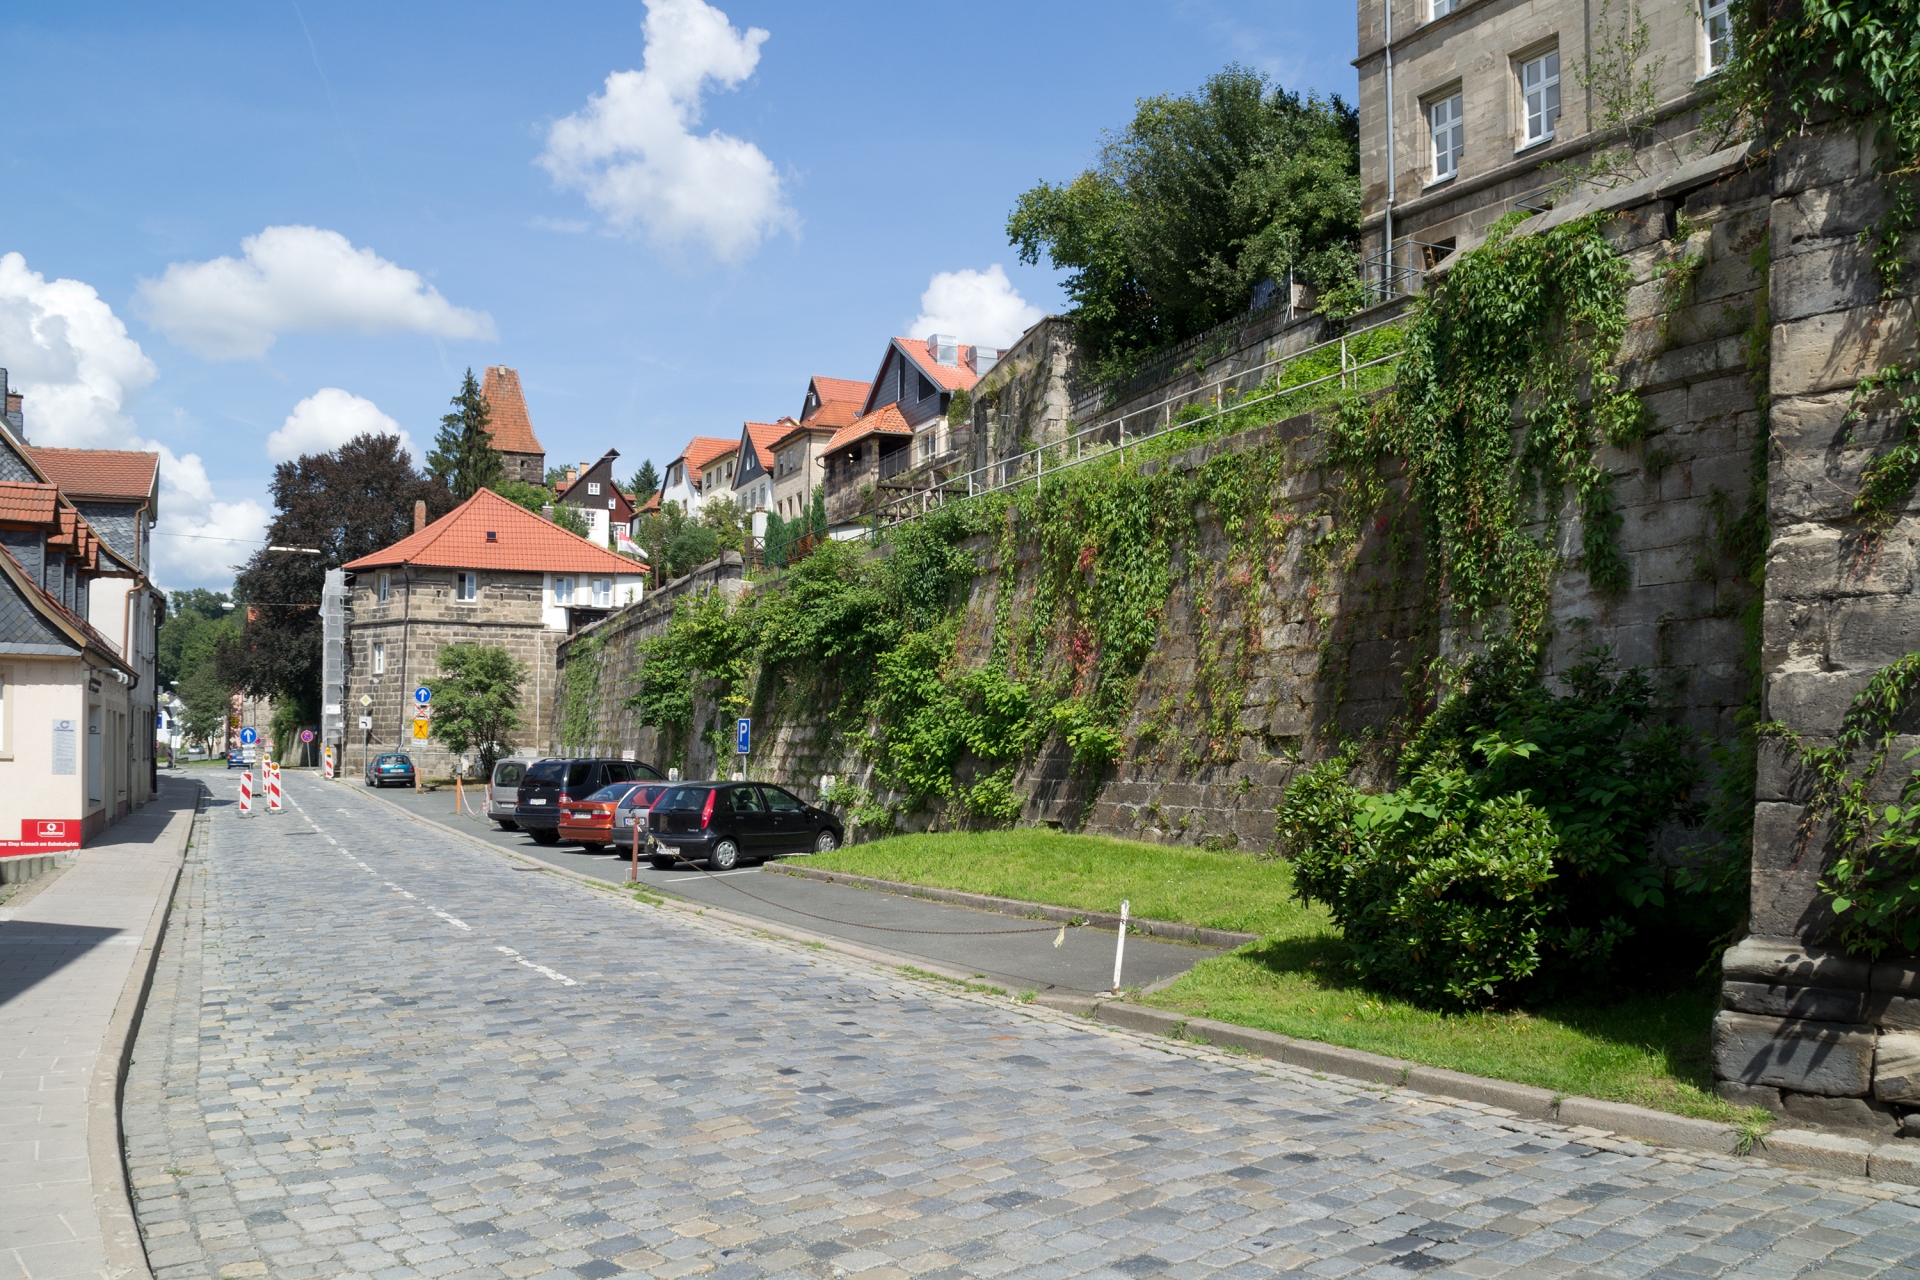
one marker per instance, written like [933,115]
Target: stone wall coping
[1166,930]
[1659,186]
[1787,960]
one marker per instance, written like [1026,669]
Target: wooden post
[633,875]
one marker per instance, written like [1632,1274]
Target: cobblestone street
[373,1049]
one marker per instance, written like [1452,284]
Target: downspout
[406,644]
[1386,271]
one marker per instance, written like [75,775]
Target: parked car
[390,766]
[592,821]
[503,790]
[236,759]
[548,784]
[720,823]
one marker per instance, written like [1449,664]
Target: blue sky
[455,185]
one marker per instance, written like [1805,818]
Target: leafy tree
[463,456]
[476,701]
[346,504]
[645,483]
[1200,199]
[187,636]
[207,699]
[556,478]
[784,536]
[536,499]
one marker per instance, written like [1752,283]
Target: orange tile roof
[763,435]
[836,413]
[831,389]
[954,377]
[652,504]
[886,420]
[524,542]
[128,474]
[702,450]
[812,426]
[507,418]
[26,503]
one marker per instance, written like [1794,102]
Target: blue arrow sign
[423,695]
[248,737]
[743,743]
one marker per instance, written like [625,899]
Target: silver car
[503,788]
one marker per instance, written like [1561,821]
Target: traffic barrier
[273,787]
[327,760]
[246,792]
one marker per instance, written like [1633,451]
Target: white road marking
[561,978]
[458,924]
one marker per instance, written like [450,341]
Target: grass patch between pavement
[1650,1049]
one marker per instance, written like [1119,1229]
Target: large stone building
[489,571]
[522,455]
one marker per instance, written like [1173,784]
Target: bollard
[1120,947]
[327,762]
[270,778]
[246,793]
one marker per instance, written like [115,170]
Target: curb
[1823,1153]
[1163,930]
[106,1143]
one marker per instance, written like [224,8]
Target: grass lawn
[1093,873]
[1649,1049]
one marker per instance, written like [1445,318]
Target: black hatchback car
[720,823]
[548,784]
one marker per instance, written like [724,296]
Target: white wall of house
[46,706]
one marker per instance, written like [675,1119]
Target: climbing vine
[581,697]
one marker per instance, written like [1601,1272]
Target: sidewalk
[74,961]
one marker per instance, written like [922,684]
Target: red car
[590,821]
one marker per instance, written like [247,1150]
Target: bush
[1518,853]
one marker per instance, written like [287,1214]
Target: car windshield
[684,799]
[642,797]
[610,794]
[507,773]
[648,771]
[395,760]
[546,771]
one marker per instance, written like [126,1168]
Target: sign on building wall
[66,748]
[43,835]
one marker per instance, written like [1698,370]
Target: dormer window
[922,386]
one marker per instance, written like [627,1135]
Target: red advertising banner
[43,835]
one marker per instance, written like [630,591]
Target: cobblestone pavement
[345,1071]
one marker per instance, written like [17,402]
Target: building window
[563,591]
[593,488]
[1449,137]
[379,659]
[1441,8]
[603,593]
[1540,90]
[922,386]
[467,587]
[386,586]
[1718,18]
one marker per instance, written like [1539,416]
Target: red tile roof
[831,389]
[886,420]
[652,504]
[507,417]
[835,413]
[524,542]
[789,429]
[128,474]
[28,503]
[954,377]
[702,450]
[763,435]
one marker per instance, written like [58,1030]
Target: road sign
[366,722]
[743,737]
[423,695]
[419,728]
[248,736]
[306,735]
[365,701]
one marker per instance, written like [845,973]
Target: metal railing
[1114,434]
[1385,278]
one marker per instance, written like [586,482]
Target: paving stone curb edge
[1820,1152]
[1165,930]
[106,1143]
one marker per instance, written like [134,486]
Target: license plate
[536,802]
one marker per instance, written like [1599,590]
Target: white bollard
[1120,947]
[272,781]
[246,792]
[327,752]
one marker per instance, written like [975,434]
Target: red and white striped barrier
[327,760]
[246,792]
[273,787]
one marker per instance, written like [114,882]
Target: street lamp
[299,551]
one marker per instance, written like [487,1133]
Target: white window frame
[1715,14]
[593,488]
[1438,128]
[1440,8]
[603,593]
[385,587]
[563,592]
[379,658]
[1539,101]
[466,587]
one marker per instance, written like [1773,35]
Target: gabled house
[830,404]
[753,474]
[594,493]
[524,458]
[920,375]
[488,571]
[683,480]
[854,461]
[79,625]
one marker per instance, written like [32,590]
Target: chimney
[419,514]
[546,513]
[945,348]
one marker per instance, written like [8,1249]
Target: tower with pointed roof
[522,455]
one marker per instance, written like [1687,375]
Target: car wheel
[725,856]
[545,837]
[661,863]
[593,846]
[504,825]
[826,841]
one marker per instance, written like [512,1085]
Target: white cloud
[979,307]
[199,540]
[632,151]
[297,279]
[70,355]
[328,419]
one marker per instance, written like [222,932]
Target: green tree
[645,483]
[463,456]
[187,636]
[476,701]
[207,699]
[1200,199]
